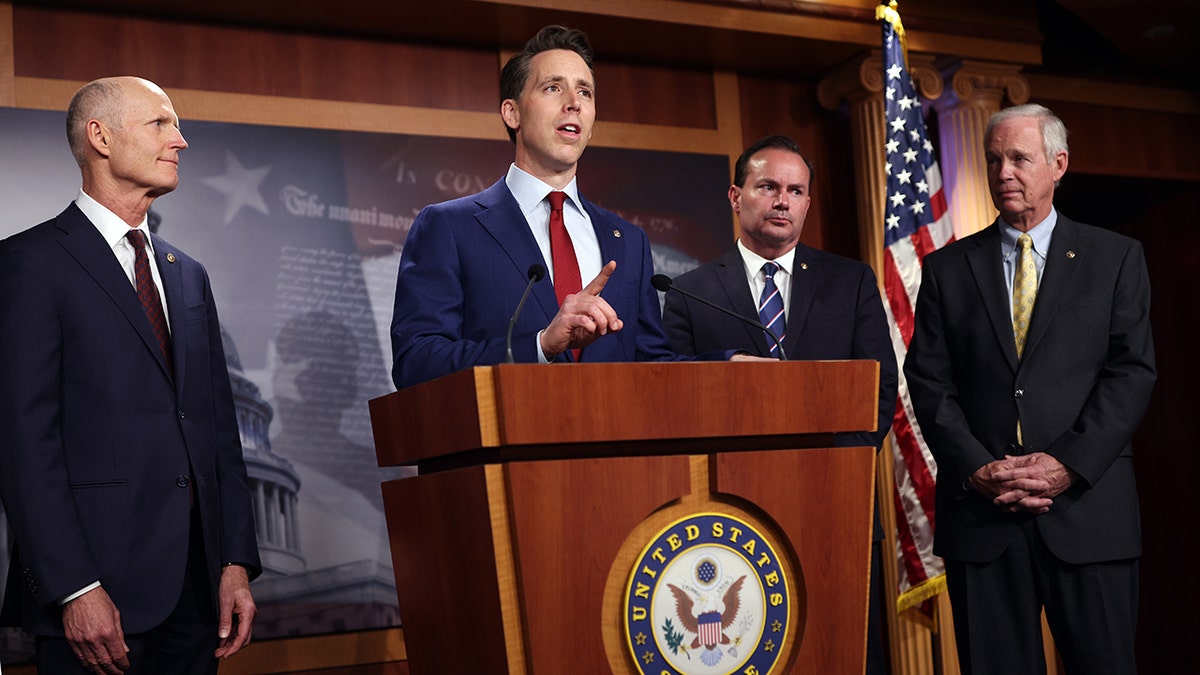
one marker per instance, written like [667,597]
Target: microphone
[663,284]
[536,273]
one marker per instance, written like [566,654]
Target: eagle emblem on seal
[708,616]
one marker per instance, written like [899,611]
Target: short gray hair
[1054,132]
[102,100]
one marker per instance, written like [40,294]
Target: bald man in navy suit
[121,465]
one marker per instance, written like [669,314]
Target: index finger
[234,643]
[596,285]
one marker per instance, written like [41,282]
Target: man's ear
[1060,166]
[510,114]
[735,199]
[99,137]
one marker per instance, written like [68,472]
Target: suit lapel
[806,269]
[1062,261]
[731,273]
[501,216]
[607,236]
[612,237]
[987,267]
[84,243]
[166,257]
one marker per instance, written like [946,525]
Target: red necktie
[148,294]
[566,267]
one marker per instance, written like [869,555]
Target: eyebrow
[565,80]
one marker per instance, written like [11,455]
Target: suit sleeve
[429,337]
[1121,392]
[34,482]
[929,372]
[239,543]
[677,322]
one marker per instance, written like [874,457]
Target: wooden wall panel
[643,94]
[7,93]
[80,46]
[1114,141]
[786,106]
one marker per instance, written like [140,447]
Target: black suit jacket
[1080,389]
[835,312]
[99,444]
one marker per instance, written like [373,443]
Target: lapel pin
[170,257]
[803,266]
[617,234]
[1071,254]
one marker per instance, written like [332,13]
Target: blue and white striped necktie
[770,307]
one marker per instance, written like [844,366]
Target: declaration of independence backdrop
[301,231]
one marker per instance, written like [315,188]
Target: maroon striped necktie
[148,294]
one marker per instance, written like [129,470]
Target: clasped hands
[1023,483]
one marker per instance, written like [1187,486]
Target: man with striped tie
[819,305]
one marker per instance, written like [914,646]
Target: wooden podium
[541,487]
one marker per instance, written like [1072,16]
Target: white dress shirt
[758,280]
[530,193]
[113,229]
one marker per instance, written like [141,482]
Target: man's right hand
[583,317]
[1007,483]
[93,629]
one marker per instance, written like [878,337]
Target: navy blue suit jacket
[99,441]
[1080,388]
[463,270]
[835,312]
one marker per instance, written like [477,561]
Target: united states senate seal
[707,596]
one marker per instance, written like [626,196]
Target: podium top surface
[596,403]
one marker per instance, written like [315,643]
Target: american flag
[916,223]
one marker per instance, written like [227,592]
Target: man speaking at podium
[466,263]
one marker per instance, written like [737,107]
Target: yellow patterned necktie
[1024,291]
[1024,295]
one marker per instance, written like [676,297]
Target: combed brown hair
[516,71]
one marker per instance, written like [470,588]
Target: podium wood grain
[515,561]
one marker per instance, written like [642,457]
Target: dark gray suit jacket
[1080,389]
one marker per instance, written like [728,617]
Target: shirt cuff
[92,586]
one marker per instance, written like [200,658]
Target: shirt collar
[530,191]
[111,227]
[754,261]
[1040,234]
